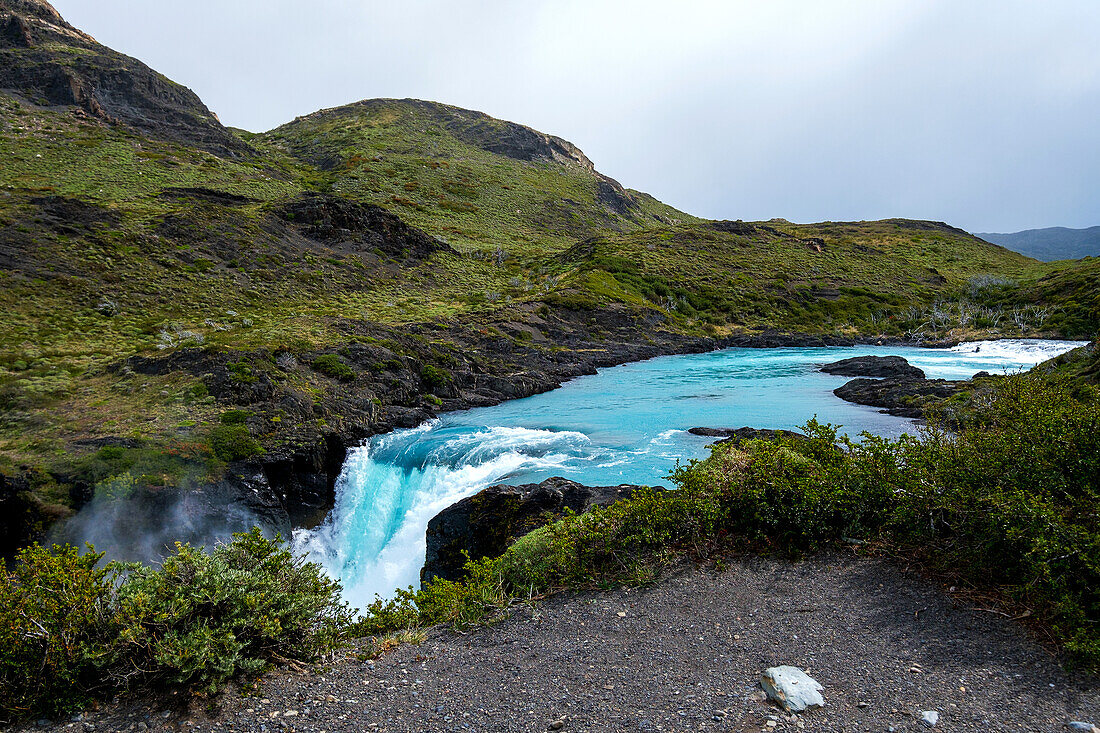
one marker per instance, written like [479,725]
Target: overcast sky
[984,114]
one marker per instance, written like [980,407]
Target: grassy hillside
[479,182]
[895,277]
[114,244]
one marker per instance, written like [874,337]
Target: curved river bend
[627,424]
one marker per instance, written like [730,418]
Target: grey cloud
[978,112]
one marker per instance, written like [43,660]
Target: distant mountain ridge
[1052,243]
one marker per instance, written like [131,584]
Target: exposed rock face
[612,195]
[899,396]
[333,219]
[509,138]
[20,516]
[49,62]
[733,227]
[739,435]
[484,524]
[874,366]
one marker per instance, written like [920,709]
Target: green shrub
[54,617]
[241,372]
[70,630]
[331,366]
[203,617]
[234,417]
[433,376]
[572,301]
[233,443]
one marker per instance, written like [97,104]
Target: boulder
[900,397]
[485,524]
[874,366]
[792,688]
[739,435]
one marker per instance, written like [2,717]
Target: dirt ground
[683,654]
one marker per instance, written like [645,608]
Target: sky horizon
[979,113]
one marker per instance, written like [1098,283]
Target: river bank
[306,414]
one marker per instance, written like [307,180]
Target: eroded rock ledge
[739,435]
[485,524]
[892,383]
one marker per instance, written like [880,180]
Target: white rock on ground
[792,688]
[1079,725]
[929,717]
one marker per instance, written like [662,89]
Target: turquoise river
[627,424]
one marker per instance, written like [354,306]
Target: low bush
[70,629]
[433,376]
[233,442]
[332,366]
[234,417]
[54,616]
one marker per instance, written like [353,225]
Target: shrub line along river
[626,424]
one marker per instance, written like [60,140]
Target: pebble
[557,724]
[929,717]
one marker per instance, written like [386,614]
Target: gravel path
[684,654]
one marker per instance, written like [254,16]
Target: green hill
[480,182]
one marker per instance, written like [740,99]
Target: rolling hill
[189,306]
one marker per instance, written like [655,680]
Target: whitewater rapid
[627,424]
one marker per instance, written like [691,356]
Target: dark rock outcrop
[895,367]
[899,396]
[49,62]
[485,524]
[20,514]
[739,435]
[732,227]
[332,219]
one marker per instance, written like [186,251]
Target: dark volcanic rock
[738,435]
[484,524]
[20,515]
[200,193]
[874,366]
[899,396]
[333,219]
[612,195]
[732,227]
